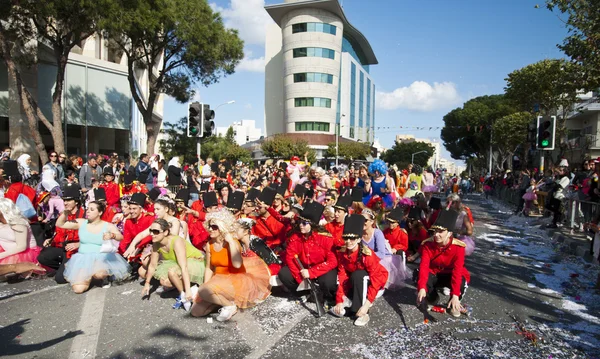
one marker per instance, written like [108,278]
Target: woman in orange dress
[228,283]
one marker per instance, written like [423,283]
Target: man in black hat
[131,186]
[300,193]
[138,221]
[336,227]
[396,236]
[111,189]
[443,265]
[64,244]
[268,227]
[249,208]
[316,253]
[235,201]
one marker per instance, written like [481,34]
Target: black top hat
[357,194]
[283,165]
[72,191]
[11,170]
[446,220]
[204,186]
[252,194]
[396,215]
[300,190]
[285,184]
[143,177]
[235,201]
[435,203]
[343,203]
[354,226]
[415,213]
[99,194]
[183,195]
[267,196]
[310,193]
[153,194]
[312,212]
[139,199]
[128,178]
[108,171]
[210,199]
[214,167]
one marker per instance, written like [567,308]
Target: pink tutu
[28,255]
[470,244]
[429,189]
[397,271]
[530,196]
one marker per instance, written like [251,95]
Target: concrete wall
[274,99]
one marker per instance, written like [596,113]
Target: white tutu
[397,271]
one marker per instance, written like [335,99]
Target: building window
[314,52]
[314,27]
[312,126]
[360,99]
[351,132]
[368,103]
[352,96]
[313,77]
[312,102]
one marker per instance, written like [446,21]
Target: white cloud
[420,96]
[247,16]
[252,64]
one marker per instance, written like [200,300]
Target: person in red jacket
[137,222]
[416,233]
[315,251]
[267,226]
[111,188]
[336,227]
[443,265]
[110,212]
[131,186]
[396,236]
[356,262]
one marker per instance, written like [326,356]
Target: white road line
[20,296]
[84,345]
[270,341]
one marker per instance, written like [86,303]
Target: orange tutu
[244,289]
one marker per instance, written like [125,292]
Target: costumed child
[529,197]
[361,276]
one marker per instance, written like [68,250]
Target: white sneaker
[347,302]
[341,315]
[446,291]
[362,321]
[225,313]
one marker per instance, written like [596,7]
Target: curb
[578,247]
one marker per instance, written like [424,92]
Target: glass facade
[368,103]
[314,52]
[352,99]
[312,102]
[357,55]
[361,100]
[314,27]
[313,77]
[312,126]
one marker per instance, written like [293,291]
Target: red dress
[449,259]
[316,253]
[347,264]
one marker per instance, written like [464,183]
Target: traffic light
[194,117]
[207,128]
[532,133]
[546,126]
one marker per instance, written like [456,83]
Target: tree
[230,136]
[284,147]
[349,150]
[185,39]
[60,24]
[466,132]
[509,132]
[401,153]
[582,44]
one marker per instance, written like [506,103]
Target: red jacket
[398,238]
[270,230]
[287,223]
[65,236]
[134,188]
[132,228]
[112,193]
[109,214]
[347,264]
[421,236]
[336,229]
[449,259]
[316,253]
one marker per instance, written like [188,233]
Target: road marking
[267,343]
[25,295]
[84,345]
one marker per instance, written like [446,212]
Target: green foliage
[284,147]
[177,143]
[583,42]
[509,132]
[229,136]
[466,132]
[401,154]
[349,150]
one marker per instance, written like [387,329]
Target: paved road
[517,273]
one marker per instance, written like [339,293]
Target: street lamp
[337,140]
[412,161]
[226,103]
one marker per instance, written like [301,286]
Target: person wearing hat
[111,188]
[138,221]
[315,251]
[235,202]
[356,263]
[267,226]
[300,193]
[443,265]
[194,217]
[416,233]
[336,227]
[557,201]
[57,250]
[294,170]
[396,236]
[109,213]
[249,208]
[153,196]
[132,186]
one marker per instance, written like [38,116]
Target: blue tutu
[82,266]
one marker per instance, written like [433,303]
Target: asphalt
[524,286]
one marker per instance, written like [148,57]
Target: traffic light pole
[198,154]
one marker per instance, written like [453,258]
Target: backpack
[25,207]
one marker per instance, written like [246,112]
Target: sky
[433,56]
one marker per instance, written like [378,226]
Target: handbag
[109,246]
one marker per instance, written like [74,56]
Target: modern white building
[244,131]
[434,161]
[317,74]
[583,126]
[99,114]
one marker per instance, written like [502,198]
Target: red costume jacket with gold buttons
[449,259]
[316,253]
[348,263]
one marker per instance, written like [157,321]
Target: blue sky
[433,56]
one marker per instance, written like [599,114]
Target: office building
[244,131]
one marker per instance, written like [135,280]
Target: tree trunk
[57,129]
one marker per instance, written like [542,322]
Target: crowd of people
[223,235]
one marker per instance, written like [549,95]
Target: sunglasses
[305,223]
[213,227]
[52,155]
[155,232]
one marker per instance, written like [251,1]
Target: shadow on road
[10,339]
